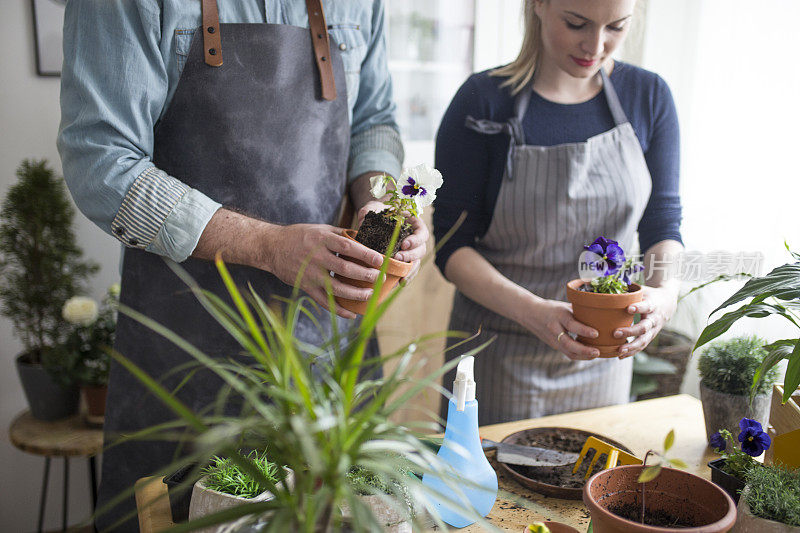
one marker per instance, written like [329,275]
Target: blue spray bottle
[462,451]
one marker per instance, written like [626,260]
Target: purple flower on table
[717,441]
[752,437]
[611,253]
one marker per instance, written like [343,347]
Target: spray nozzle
[464,385]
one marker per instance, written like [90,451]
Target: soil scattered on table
[560,476]
[652,517]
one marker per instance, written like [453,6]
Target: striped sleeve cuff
[162,215]
[378,149]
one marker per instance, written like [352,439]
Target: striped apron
[552,201]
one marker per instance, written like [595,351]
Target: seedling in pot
[651,472]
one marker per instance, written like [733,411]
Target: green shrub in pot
[770,502]
[727,369]
[41,266]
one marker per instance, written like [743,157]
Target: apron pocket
[350,41]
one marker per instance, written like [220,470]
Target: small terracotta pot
[394,272]
[95,398]
[683,495]
[604,312]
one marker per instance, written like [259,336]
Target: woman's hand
[413,247]
[656,308]
[552,321]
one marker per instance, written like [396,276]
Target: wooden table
[640,426]
[66,438]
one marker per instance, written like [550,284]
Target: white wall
[29,115]
[730,66]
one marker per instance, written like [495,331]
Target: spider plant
[312,408]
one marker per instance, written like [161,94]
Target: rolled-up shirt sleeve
[375,143]
[113,90]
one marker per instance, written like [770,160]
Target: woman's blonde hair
[520,71]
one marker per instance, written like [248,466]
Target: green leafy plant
[649,473]
[774,493]
[83,357]
[308,405]
[225,476]
[40,262]
[730,366]
[776,294]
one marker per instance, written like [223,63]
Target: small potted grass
[374,491]
[770,502]
[601,296]
[226,484]
[415,190]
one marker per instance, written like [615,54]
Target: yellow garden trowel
[614,455]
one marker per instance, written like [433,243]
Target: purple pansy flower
[413,188]
[754,440]
[626,276]
[611,253]
[717,441]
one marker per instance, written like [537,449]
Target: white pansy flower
[80,310]
[420,183]
[378,186]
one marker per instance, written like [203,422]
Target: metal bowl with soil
[556,481]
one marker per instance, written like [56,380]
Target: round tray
[567,493]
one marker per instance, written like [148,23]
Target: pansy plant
[606,259]
[415,190]
[753,441]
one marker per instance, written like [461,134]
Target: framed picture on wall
[48,23]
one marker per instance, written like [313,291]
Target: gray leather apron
[552,201]
[255,135]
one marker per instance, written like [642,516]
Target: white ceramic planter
[747,522]
[206,501]
[392,520]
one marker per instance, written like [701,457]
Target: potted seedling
[770,502]
[727,369]
[646,498]
[407,197]
[40,268]
[84,354]
[601,297]
[730,470]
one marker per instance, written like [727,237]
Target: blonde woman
[544,154]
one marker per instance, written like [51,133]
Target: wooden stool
[65,438]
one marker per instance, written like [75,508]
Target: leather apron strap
[212,42]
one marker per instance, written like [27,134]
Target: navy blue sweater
[472,164]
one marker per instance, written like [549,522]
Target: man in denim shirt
[184,139]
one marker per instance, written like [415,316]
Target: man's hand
[285,250]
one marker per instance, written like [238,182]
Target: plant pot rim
[396,263]
[726,522]
[575,284]
[264,496]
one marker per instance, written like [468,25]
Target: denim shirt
[122,62]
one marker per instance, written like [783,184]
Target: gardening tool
[614,455]
[516,454]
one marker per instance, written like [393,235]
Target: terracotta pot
[747,522]
[605,313]
[683,495]
[95,398]
[394,272]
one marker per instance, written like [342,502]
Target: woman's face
[579,35]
